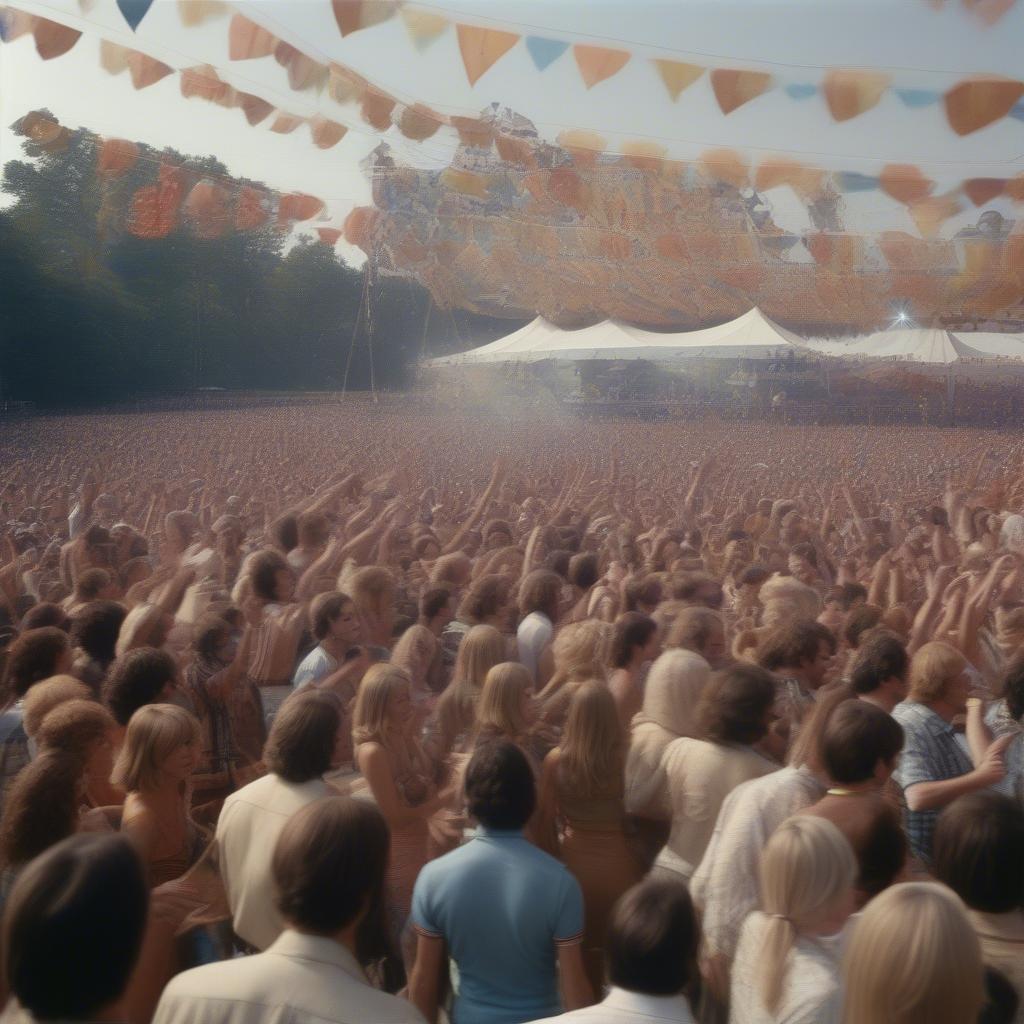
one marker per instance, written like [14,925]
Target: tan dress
[595,849]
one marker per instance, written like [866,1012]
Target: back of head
[75,726]
[45,696]
[499,709]
[34,656]
[539,592]
[790,590]
[693,628]
[302,739]
[95,628]
[451,570]
[674,685]
[978,851]
[481,649]
[584,570]
[484,598]
[859,621]
[500,788]
[41,807]
[653,937]
[73,927]
[581,651]
[807,869]
[592,744]
[378,686]
[933,667]
[794,644]
[735,704]
[855,738]
[91,583]
[433,600]
[263,568]
[913,957]
[46,614]
[329,864]
[632,630]
[881,656]
[136,679]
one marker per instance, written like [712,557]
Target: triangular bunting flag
[597,63]
[677,76]
[146,70]
[254,108]
[113,57]
[247,40]
[14,24]
[981,190]
[134,11]
[734,88]
[851,93]
[905,183]
[544,52]
[482,47]
[326,133]
[980,101]
[424,28]
[329,236]
[353,15]
[195,12]
[52,38]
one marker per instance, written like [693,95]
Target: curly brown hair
[41,807]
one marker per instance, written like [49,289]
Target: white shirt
[811,992]
[725,885]
[621,1006]
[533,635]
[301,979]
[247,831]
[316,665]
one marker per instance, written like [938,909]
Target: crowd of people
[383,712]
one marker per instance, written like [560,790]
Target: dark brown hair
[856,737]
[137,679]
[632,630]
[41,807]
[735,703]
[75,726]
[484,598]
[859,621]
[302,739]
[978,851]
[324,610]
[539,592]
[32,657]
[794,644]
[263,570]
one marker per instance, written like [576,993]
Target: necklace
[843,792]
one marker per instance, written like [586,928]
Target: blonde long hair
[499,709]
[370,717]
[592,751]
[807,865]
[914,956]
[481,649]
[581,652]
[154,733]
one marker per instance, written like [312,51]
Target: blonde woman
[413,654]
[161,750]
[787,962]
[481,649]
[671,697]
[581,652]
[398,775]
[372,590]
[582,784]
[913,957]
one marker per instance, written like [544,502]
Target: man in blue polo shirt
[507,916]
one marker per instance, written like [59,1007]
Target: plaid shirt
[932,752]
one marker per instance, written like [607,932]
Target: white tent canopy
[927,346]
[752,335]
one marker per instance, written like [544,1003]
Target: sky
[918,45]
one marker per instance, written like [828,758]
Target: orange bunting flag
[52,38]
[203,83]
[329,236]
[515,151]
[297,206]
[113,58]
[418,122]
[644,155]
[251,209]
[482,47]
[254,108]
[734,88]
[353,15]
[725,165]
[930,214]
[850,93]
[344,85]
[597,63]
[677,76]
[146,70]
[326,133]
[376,108]
[247,40]
[206,208]
[981,190]
[303,71]
[116,156]
[424,27]
[359,226]
[285,124]
[980,101]
[905,183]
[195,12]
[154,211]
[473,132]
[582,146]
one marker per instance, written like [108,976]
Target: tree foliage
[89,312]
